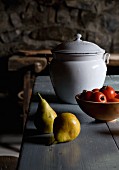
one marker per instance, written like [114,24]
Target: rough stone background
[42,24]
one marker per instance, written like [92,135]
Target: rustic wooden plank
[17,62]
[114,129]
[112,80]
[114,126]
[44,86]
[93,149]
[114,60]
[35,52]
[26,95]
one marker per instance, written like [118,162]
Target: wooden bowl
[100,111]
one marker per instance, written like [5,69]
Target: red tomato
[96,89]
[98,97]
[114,100]
[86,95]
[108,91]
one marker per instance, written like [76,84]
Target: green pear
[44,117]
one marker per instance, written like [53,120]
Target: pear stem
[40,96]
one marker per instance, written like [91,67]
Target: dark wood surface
[96,148]
[17,62]
[114,59]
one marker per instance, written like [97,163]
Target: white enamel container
[76,66]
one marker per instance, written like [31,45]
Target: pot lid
[78,46]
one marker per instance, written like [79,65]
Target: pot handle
[106,57]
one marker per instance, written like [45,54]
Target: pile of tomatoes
[103,95]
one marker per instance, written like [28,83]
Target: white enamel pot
[76,66]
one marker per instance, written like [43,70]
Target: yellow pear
[44,117]
[66,127]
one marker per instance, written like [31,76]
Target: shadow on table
[33,136]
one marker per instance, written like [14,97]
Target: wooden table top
[114,60]
[96,147]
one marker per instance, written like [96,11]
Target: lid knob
[78,37]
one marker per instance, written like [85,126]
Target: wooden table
[114,60]
[96,148]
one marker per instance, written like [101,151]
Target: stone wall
[42,24]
